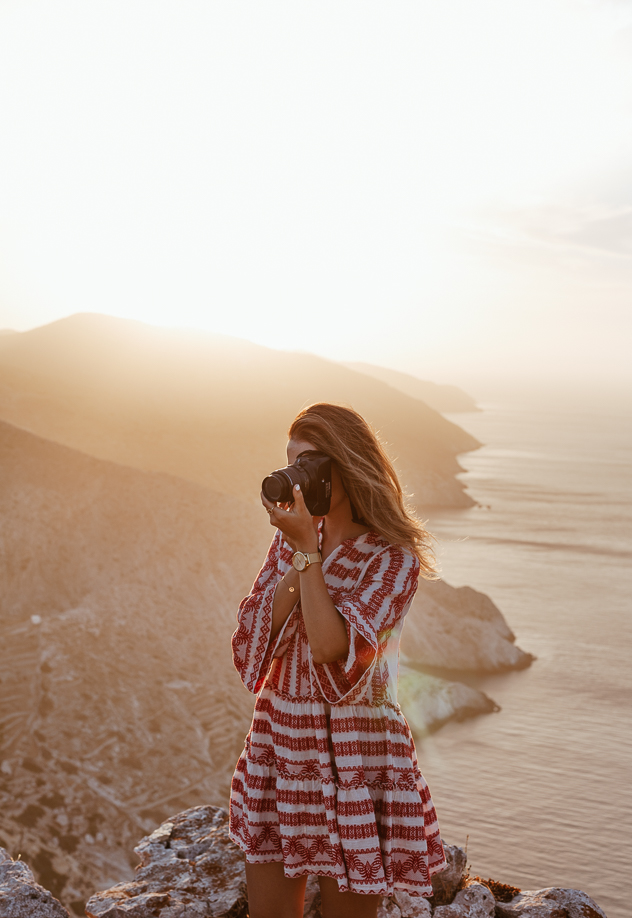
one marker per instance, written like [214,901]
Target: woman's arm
[325,626]
[251,644]
[287,594]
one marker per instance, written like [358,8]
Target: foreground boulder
[550,903]
[21,896]
[188,866]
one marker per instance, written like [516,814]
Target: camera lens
[277,487]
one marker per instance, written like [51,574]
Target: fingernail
[297,487]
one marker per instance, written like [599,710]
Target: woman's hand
[298,526]
[325,626]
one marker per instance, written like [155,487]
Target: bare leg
[336,904]
[273,895]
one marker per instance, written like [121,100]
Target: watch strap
[313,557]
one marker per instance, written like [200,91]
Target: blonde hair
[368,476]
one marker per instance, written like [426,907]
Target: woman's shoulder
[391,553]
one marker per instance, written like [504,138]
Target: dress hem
[423,892]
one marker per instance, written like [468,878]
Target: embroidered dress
[328,782]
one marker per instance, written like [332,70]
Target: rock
[553,902]
[428,702]
[475,901]
[459,629]
[21,896]
[388,908]
[530,905]
[445,884]
[412,906]
[189,866]
[576,903]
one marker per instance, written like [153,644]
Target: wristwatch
[301,561]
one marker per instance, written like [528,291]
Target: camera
[312,471]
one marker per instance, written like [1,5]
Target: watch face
[299,561]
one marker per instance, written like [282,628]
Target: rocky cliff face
[189,868]
[118,700]
[460,629]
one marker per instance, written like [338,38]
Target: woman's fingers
[269,507]
[294,520]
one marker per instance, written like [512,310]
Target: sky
[443,188]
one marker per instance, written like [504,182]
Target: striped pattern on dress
[328,782]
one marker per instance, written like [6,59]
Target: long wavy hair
[368,476]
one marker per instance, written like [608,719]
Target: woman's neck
[338,526]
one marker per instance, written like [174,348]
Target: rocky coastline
[118,701]
[189,868]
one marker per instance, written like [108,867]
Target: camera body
[312,471]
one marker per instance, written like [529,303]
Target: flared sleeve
[253,650]
[380,599]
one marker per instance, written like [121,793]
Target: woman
[328,782]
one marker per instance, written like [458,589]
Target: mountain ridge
[442,397]
[204,407]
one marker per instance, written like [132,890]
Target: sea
[541,792]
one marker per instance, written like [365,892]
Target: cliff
[460,629]
[189,867]
[207,408]
[118,700]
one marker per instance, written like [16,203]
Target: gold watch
[301,561]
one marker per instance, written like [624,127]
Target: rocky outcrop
[475,901]
[21,896]
[460,629]
[550,903]
[189,866]
[429,702]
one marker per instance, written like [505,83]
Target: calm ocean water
[543,788]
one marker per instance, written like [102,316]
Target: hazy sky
[442,186]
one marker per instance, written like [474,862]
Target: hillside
[208,408]
[441,397]
[118,700]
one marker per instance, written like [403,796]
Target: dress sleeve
[371,610]
[252,648]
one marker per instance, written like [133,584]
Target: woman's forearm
[325,626]
[286,595]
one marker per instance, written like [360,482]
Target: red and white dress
[328,782]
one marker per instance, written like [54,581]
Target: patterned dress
[328,782]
